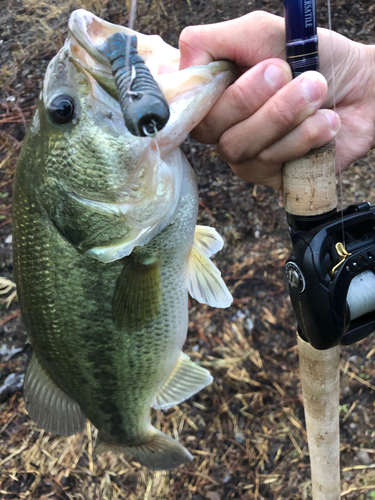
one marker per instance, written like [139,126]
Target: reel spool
[331,281]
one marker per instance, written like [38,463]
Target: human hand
[266,118]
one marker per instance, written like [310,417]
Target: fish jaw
[190,92]
[141,176]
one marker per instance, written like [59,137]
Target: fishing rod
[331,283]
[330,271]
[310,198]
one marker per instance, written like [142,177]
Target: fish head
[86,146]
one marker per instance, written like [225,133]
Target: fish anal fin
[137,297]
[157,451]
[48,405]
[186,380]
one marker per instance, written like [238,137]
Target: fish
[107,247]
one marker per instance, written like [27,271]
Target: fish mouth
[149,196]
[88,33]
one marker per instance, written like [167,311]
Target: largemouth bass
[106,247]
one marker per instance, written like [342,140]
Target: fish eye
[61,109]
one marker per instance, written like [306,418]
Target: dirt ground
[246,430]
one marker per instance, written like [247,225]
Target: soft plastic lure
[142,102]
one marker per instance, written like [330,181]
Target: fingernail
[333,119]
[275,76]
[312,88]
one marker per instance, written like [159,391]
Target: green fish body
[106,248]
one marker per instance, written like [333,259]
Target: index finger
[246,41]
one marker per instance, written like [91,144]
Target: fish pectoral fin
[204,280]
[207,240]
[48,405]
[157,451]
[137,297]
[186,380]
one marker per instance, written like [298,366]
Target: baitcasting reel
[331,276]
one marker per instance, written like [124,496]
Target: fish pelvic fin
[204,280]
[157,452]
[186,380]
[48,405]
[137,297]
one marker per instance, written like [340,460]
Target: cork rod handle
[310,189]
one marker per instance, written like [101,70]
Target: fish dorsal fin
[137,297]
[205,283]
[186,380]
[48,405]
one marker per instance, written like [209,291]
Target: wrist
[370,49]
[362,86]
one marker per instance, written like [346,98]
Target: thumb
[245,41]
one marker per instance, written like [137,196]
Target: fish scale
[99,177]
[79,329]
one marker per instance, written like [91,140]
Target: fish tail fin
[158,452]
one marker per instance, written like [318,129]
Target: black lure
[144,106]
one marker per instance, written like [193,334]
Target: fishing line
[132,17]
[340,196]
[361,293]
[133,14]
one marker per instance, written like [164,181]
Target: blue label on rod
[301,35]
